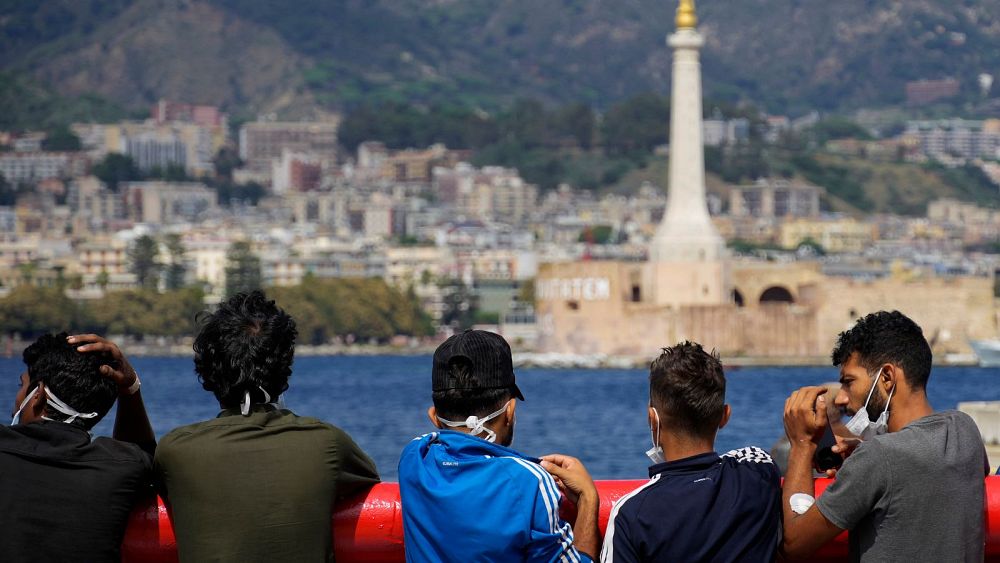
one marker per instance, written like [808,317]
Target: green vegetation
[9,192]
[242,269]
[811,246]
[748,248]
[142,258]
[485,54]
[175,268]
[323,309]
[837,128]
[839,181]
[460,305]
[598,234]
[61,138]
[145,312]
[230,192]
[32,311]
[548,146]
[482,53]
[115,169]
[28,105]
[363,308]
[858,185]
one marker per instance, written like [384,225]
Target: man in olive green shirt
[258,482]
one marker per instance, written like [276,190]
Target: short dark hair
[887,338]
[248,342]
[74,377]
[688,389]
[459,404]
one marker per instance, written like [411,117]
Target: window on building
[776,295]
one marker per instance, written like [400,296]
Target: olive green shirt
[258,487]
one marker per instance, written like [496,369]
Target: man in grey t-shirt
[913,490]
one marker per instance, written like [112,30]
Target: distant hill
[295,57]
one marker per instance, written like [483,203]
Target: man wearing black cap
[466,495]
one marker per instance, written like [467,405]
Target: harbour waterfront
[596,415]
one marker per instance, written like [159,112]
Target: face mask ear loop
[65,409]
[656,442]
[24,403]
[245,407]
[477,425]
[889,400]
[874,384]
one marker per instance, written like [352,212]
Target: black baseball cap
[489,357]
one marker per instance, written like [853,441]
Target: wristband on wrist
[134,388]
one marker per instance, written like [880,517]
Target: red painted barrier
[369,527]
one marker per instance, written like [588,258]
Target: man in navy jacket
[697,505]
[466,495]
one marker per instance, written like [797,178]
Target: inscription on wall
[584,289]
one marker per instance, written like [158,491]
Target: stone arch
[738,298]
[776,294]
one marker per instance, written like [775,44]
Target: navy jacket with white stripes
[702,508]
[469,500]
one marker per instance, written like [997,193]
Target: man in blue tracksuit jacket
[467,498]
[697,506]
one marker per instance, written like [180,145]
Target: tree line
[572,143]
[639,123]
[115,169]
[324,309]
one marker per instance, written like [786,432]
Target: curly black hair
[688,389]
[73,376]
[248,342]
[887,338]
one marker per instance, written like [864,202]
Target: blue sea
[598,416]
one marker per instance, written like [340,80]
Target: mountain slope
[189,51]
[788,55]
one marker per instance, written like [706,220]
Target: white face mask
[57,405]
[655,454]
[861,425]
[24,403]
[477,425]
[245,406]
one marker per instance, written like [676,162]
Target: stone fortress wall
[774,311]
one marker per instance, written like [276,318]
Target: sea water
[598,416]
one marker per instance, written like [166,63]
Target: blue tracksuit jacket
[467,500]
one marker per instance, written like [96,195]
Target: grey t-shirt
[913,495]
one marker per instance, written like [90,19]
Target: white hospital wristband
[134,388]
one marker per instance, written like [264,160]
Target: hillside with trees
[362,309]
[787,56]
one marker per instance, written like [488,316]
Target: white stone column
[686,233]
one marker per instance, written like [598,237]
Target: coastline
[179,348]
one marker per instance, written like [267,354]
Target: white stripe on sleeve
[550,496]
[608,551]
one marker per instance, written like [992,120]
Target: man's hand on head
[120,371]
[131,421]
[805,416]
